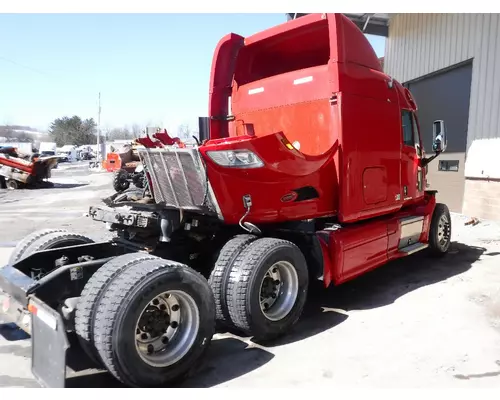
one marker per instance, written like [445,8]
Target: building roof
[371,24]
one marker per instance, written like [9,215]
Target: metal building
[450,62]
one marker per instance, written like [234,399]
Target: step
[413,248]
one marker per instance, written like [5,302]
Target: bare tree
[120,134]
[136,130]
[16,133]
[184,132]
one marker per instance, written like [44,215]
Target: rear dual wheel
[150,322]
[220,274]
[266,286]
[45,239]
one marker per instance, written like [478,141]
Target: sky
[151,69]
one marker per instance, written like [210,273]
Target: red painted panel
[375,185]
[284,171]
[293,87]
[221,76]
[349,45]
[370,137]
[364,248]
[357,248]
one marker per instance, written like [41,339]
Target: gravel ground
[416,322]
[62,206]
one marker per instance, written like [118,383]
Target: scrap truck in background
[126,166]
[125,162]
[316,173]
[19,170]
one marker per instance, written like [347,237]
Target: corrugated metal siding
[420,44]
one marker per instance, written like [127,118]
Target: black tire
[120,182]
[91,296]
[243,292]
[56,240]
[121,306]
[440,231]
[12,184]
[21,247]
[139,181]
[219,276]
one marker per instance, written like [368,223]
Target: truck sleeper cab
[310,99]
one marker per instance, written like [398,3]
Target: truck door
[412,175]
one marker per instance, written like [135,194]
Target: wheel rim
[279,290]
[443,231]
[167,328]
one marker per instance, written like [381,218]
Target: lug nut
[150,348]
[277,282]
[164,340]
[156,302]
[275,270]
[163,307]
[144,336]
[273,295]
[175,307]
[174,324]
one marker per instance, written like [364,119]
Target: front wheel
[12,184]
[120,182]
[440,230]
[267,288]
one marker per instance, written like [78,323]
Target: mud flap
[49,344]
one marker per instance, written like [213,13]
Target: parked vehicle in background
[47,149]
[19,170]
[67,153]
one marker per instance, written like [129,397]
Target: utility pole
[99,131]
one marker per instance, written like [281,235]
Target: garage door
[446,96]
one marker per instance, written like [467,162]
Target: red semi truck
[316,172]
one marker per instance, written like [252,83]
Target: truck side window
[417,135]
[407,128]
